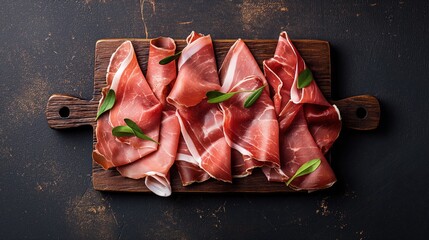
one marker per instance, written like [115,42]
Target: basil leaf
[217,97]
[304,78]
[137,130]
[107,103]
[305,169]
[122,131]
[169,59]
[251,99]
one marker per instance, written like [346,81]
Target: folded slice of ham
[155,167]
[134,97]
[160,76]
[134,100]
[201,122]
[188,168]
[252,132]
[308,123]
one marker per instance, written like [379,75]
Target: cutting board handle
[359,112]
[63,111]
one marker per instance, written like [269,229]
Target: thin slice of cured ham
[308,123]
[160,76]
[197,72]
[155,166]
[134,100]
[253,132]
[201,122]
[188,167]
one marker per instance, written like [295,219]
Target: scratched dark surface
[378,48]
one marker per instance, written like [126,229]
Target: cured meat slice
[202,130]
[201,122]
[252,132]
[188,167]
[134,100]
[298,147]
[308,123]
[160,76]
[197,72]
[155,167]
[238,64]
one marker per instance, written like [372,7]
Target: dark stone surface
[378,48]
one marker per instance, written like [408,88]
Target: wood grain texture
[358,112]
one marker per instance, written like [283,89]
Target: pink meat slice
[134,98]
[160,76]
[188,167]
[254,131]
[308,123]
[201,122]
[197,72]
[155,167]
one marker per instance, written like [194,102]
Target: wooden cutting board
[63,111]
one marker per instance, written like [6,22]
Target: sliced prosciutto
[188,167]
[134,100]
[201,122]
[254,131]
[308,123]
[155,167]
[134,97]
[160,76]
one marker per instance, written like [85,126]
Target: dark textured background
[378,47]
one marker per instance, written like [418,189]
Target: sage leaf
[304,78]
[137,130]
[122,131]
[217,97]
[107,103]
[305,169]
[251,99]
[169,59]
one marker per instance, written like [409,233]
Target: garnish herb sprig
[305,77]
[218,97]
[305,169]
[131,129]
[107,104]
[169,59]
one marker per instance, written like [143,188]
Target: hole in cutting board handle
[64,112]
[361,113]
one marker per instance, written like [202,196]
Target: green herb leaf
[107,103]
[217,97]
[122,131]
[137,130]
[304,78]
[305,169]
[169,59]
[251,99]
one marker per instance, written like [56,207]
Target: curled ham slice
[200,122]
[252,132]
[188,167]
[134,100]
[160,76]
[197,72]
[155,167]
[308,123]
